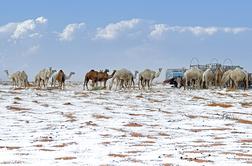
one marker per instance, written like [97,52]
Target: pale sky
[135,34]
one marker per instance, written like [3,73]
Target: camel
[238,75]
[226,78]
[14,77]
[208,78]
[44,75]
[122,76]
[218,76]
[91,75]
[193,74]
[146,77]
[95,76]
[67,77]
[23,79]
[103,77]
[60,78]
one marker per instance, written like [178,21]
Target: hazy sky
[80,35]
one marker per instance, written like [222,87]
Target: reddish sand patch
[246,140]
[238,154]
[65,158]
[208,129]
[223,105]
[135,134]
[133,125]
[118,155]
[244,121]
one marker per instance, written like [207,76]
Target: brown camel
[95,76]
[104,76]
[60,77]
[91,75]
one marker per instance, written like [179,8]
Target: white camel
[208,78]
[23,79]
[44,76]
[238,75]
[226,78]
[14,77]
[193,74]
[67,77]
[122,77]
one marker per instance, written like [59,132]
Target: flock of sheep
[123,78]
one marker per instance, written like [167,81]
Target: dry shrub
[139,96]
[45,139]
[15,108]
[163,134]
[198,98]
[65,158]
[90,123]
[70,116]
[223,105]
[10,147]
[246,104]
[100,116]
[47,150]
[17,98]
[67,103]
[64,144]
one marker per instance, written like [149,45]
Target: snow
[162,126]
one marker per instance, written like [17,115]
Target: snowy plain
[162,126]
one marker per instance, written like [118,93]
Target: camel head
[106,71]
[160,69]
[7,72]
[72,73]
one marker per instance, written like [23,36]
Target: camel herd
[194,78]
[122,78]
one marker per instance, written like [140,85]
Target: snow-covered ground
[164,126]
